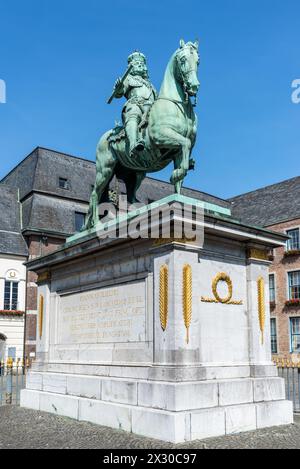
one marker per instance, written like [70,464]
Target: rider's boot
[135,145]
[140,146]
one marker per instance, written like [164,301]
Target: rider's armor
[140,95]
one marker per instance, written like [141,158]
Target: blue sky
[60,58]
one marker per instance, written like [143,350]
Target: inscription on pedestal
[115,314]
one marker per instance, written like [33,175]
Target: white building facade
[12,306]
[13,255]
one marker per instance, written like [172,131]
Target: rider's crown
[136,56]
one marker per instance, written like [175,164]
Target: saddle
[117,134]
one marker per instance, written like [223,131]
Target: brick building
[54,190]
[277,207]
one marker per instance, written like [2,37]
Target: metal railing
[12,380]
[290,371]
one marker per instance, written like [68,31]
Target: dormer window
[79,221]
[63,183]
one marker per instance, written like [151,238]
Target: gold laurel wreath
[261,306]
[164,296]
[222,277]
[187,298]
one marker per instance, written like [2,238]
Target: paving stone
[45,430]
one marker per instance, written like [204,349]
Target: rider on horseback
[140,95]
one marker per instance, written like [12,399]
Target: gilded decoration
[164,296]
[44,277]
[261,306]
[258,254]
[222,277]
[163,241]
[187,298]
[41,315]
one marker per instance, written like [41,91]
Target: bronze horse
[169,136]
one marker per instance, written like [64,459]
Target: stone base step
[174,427]
[161,395]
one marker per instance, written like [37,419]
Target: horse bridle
[183,76]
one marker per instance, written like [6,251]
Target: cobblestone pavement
[22,428]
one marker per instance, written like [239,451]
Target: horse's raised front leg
[181,161]
[164,136]
[181,165]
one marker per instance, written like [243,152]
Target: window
[273,335]
[293,244]
[295,335]
[63,183]
[272,288]
[79,221]
[12,352]
[294,285]
[11,296]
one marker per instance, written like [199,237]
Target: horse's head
[187,58]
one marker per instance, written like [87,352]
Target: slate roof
[154,189]
[41,171]
[11,239]
[270,205]
[48,208]
[51,214]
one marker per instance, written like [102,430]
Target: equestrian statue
[157,128]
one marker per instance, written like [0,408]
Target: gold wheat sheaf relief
[41,315]
[164,296]
[261,306]
[187,298]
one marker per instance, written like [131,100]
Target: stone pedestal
[162,338]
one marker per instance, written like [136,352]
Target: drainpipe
[21,210]
[26,282]
[25,319]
